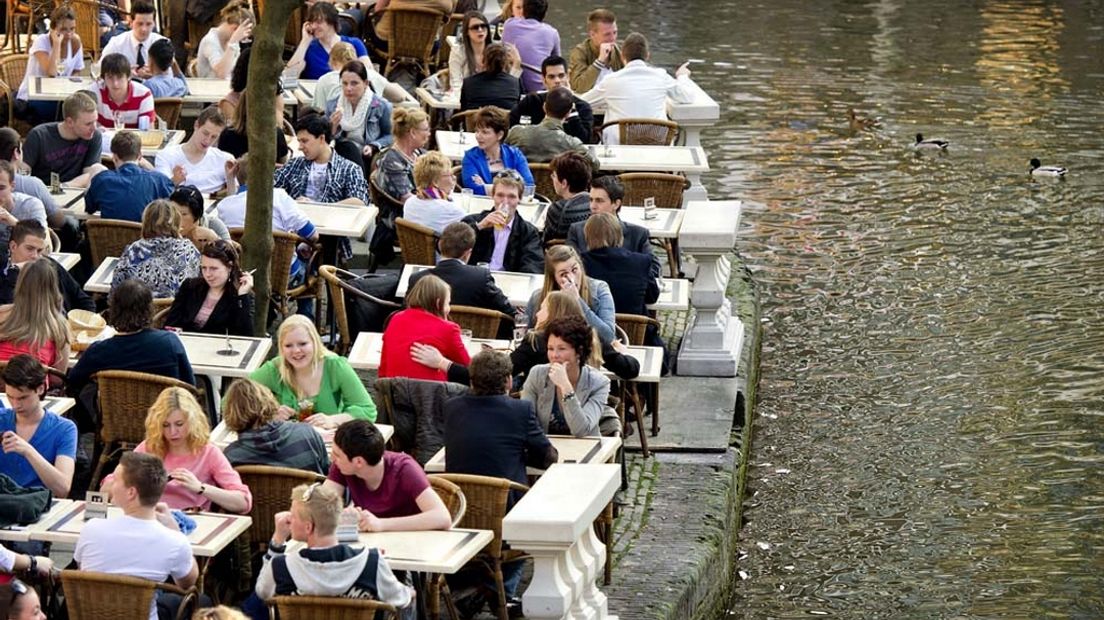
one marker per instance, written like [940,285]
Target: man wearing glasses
[503,239]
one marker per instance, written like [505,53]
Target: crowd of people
[528,105]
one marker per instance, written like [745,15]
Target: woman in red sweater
[425,321]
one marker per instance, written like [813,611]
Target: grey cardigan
[582,412]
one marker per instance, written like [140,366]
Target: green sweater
[340,391]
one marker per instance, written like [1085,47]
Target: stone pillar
[711,345]
[554,522]
[701,112]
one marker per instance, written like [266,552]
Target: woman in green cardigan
[310,383]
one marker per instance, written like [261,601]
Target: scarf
[352,121]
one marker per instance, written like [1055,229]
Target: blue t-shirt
[55,436]
[318,59]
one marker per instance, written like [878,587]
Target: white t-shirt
[7,560]
[70,65]
[316,180]
[286,214]
[210,53]
[435,213]
[209,175]
[137,547]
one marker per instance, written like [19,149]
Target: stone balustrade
[711,345]
[554,523]
[692,117]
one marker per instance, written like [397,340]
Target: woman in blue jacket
[492,155]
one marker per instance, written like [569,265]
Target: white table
[532,212]
[665,225]
[222,436]
[438,100]
[450,145]
[674,293]
[689,160]
[100,280]
[65,259]
[200,90]
[340,220]
[651,363]
[204,354]
[432,551]
[571,450]
[172,137]
[365,354]
[23,533]
[57,404]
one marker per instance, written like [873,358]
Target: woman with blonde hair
[161,258]
[222,612]
[199,474]
[34,323]
[310,383]
[431,205]
[424,321]
[220,47]
[563,271]
[395,175]
[250,411]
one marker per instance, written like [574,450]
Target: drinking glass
[527,195]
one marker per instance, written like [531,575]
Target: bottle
[143,123]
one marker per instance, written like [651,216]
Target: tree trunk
[265,65]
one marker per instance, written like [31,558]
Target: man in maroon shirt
[389,490]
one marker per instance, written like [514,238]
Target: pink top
[205,311]
[209,466]
[45,354]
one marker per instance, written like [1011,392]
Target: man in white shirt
[287,216]
[145,541]
[136,43]
[638,90]
[198,161]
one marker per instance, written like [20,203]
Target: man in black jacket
[625,271]
[579,122]
[28,243]
[471,285]
[503,239]
[606,194]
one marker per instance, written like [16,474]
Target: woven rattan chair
[283,253]
[110,237]
[329,608]
[414,31]
[335,279]
[636,327]
[487,498]
[87,13]
[457,505]
[483,322]
[542,177]
[125,396]
[444,50]
[667,191]
[418,243]
[101,596]
[644,131]
[168,110]
[12,68]
[463,121]
[271,488]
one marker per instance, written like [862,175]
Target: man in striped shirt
[121,98]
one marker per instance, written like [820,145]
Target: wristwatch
[34,563]
[202,488]
[569,396]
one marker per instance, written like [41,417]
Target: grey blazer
[582,412]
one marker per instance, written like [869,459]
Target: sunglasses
[310,491]
[508,174]
[18,588]
[475,27]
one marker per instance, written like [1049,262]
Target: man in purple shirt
[503,239]
[534,40]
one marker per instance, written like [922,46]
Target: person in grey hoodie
[249,410]
[323,567]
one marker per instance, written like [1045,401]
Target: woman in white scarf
[361,119]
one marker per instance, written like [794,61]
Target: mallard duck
[1039,170]
[933,144]
[859,123]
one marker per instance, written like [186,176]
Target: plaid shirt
[344,179]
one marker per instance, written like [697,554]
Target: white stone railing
[692,117]
[554,523]
[711,345]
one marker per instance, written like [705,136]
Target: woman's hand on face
[285,413]
[557,374]
[243,32]
[568,285]
[426,355]
[245,283]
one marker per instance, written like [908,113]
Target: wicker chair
[666,189]
[635,327]
[483,322]
[644,131]
[102,596]
[457,505]
[338,287]
[12,68]
[542,177]
[418,243]
[168,110]
[467,117]
[414,31]
[110,237]
[87,13]
[271,488]
[125,397]
[283,253]
[487,498]
[444,50]
[329,608]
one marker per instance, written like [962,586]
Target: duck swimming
[1039,170]
[934,144]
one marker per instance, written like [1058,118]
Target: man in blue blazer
[606,194]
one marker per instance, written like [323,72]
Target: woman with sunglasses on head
[220,300]
[491,155]
[563,271]
[24,603]
[466,59]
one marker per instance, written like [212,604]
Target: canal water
[929,439]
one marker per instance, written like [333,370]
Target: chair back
[644,131]
[284,246]
[389,206]
[414,31]
[444,50]
[110,237]
[271,488]
[168,110]
[483,322]
[12,69]
[338,288]
[635,326]
[486,504]
[91,595]
[463,121]
[294,30]
[666,188]
[329,608]
[418,243]
[452,497]
[87,13]
[542,177]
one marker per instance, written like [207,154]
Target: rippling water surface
[929,439]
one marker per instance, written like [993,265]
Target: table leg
[632,393]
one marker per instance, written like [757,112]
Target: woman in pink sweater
[199,474]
